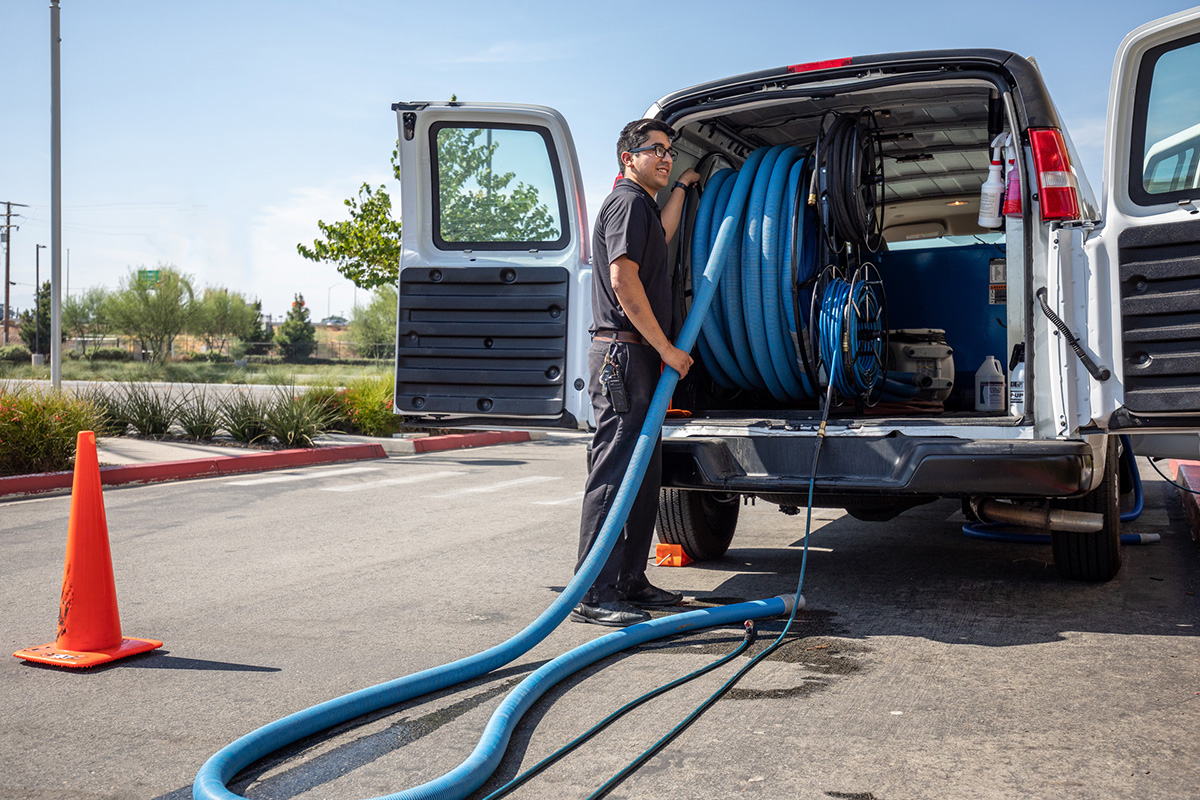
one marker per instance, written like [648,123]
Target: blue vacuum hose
[211,780]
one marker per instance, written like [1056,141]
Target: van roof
[1033,104]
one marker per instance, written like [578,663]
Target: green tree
[373,326]
[33,325]
[153,311]
[477,204]
[365,248]
[84,317]
[258,341]
[222,315]
[296,337]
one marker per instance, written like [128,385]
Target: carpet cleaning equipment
[919,358]
[211,780]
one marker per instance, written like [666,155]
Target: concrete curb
[211,467]
[459,441]
[1187,473]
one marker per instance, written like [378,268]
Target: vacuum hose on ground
[215,774]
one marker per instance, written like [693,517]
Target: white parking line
[575,498]
[304,476]
[495,487]
[358,487]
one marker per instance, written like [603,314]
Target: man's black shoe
[613,614]
[653,596]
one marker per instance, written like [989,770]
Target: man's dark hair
[636,133]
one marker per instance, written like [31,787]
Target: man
[631,309]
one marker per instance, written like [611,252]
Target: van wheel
[702,522]
[1093,556]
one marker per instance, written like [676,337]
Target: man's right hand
[677,360]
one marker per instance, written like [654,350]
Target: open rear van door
[1148,251]
[494,278]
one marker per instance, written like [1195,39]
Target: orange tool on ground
[671,555]
[89,627]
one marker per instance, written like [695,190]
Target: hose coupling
[792,602]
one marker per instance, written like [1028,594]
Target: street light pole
[55,202]
[328,301]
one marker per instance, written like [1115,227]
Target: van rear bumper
[879,466]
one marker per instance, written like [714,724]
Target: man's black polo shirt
[629,224]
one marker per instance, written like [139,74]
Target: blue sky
[213,135]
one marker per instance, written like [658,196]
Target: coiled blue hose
[211,780]
[849,314]
[751,340]
[748,341]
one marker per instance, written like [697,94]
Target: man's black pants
[612,446]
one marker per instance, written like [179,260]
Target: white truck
[1101,295]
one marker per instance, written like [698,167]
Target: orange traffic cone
[671,555]
[89,627]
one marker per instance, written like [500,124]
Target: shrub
[110,413]
[334,401]
[198,415]
[16,353]
[149,410]
[242,416]
[369,406]
[208,357]
[294,420]
[109,354]
[38,429]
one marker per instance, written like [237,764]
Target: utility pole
[55,204]
[8,229]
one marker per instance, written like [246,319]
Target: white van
[1102,296]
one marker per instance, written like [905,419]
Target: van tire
[1094,556]
[701,522]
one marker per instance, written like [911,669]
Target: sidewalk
[125,460]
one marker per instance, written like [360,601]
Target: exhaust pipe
[1054,519]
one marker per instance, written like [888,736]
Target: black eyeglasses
[658,150]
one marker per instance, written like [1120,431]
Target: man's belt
[629,337]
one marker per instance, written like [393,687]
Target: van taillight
[1058,192]
[815,65]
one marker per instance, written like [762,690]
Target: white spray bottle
[991,197]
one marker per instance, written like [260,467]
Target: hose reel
[779,325]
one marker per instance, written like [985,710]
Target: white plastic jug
[989,386]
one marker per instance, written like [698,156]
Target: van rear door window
[1166,125]
[497,188]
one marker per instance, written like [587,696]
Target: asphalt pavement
[926,665]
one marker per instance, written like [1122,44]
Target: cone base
[51,654]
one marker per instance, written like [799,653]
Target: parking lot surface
[926,665]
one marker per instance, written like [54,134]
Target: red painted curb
[195,468]
[458,441]
[1187,473]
